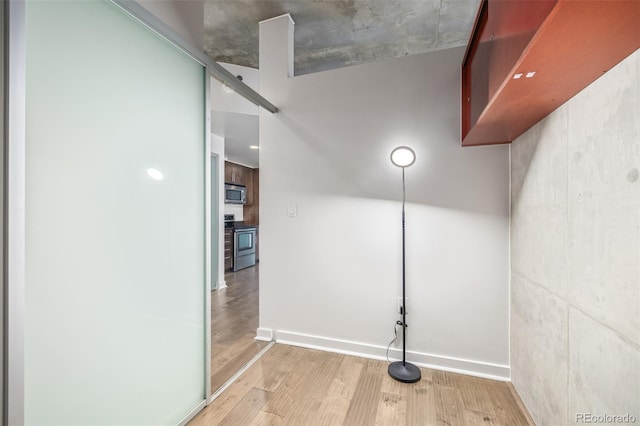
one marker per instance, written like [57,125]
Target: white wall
[331,276]
[235,209]
[217,148]
[575,327]
[222,100]
[185,17]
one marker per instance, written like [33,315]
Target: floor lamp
[403,371]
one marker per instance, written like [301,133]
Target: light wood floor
[234,320]
[303,387]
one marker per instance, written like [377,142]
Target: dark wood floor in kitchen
[234,320]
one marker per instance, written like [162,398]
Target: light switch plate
[292,210]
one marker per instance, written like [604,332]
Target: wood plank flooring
[304,387]
[234,320]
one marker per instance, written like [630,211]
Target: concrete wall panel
[584,248]
[604,374]
[543,393]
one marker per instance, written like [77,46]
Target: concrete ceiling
[336,33]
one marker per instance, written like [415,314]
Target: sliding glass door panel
[115,236]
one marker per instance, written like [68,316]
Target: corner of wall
[264,334]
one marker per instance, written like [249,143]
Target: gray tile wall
[575,254]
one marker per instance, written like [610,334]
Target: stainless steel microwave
[235,194]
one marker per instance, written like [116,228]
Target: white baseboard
[264,334]
[438,362]
[221,285]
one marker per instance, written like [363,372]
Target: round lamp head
[403,156]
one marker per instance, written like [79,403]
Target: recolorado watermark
[605,418]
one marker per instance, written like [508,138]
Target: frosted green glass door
[115,235]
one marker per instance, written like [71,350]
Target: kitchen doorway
[234,320]
[235,301]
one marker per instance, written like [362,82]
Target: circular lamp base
[406,373]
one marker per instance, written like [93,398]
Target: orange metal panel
[577,42]
[503,30]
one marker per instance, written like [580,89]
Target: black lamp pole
[404,281]
[404,371]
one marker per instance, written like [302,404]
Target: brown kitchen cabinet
[236,173]
[229,172]
[228,249]
[251,210]
[527,58]
[248,182]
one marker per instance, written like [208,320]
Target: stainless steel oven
[244,247]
